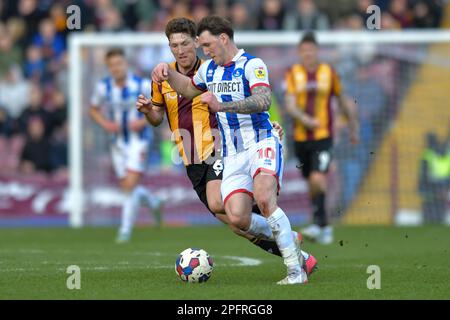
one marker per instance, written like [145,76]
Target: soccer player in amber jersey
[310,87]
[194,128]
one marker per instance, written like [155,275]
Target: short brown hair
[114,52]
[181,25]
[216,25]
[309,37]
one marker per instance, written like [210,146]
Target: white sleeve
[199,79]
[99,94]
[146,88]
[256,73]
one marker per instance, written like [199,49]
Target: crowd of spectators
[33,53]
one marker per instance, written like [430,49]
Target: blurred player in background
[251,149]
[113,108]
[310,85]
[203,166]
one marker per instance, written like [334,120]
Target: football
[194,265]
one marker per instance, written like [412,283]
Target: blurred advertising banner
[37,200]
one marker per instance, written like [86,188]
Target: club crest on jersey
[238,72]
[260,73]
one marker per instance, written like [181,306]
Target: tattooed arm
[259,101]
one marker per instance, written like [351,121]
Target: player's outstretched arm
[259,101]
[350,111]
[153,114]
[179,82]
[108,126]
[298,114]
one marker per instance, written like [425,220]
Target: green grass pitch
[414,263]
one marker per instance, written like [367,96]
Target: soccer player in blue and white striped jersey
[112,107]
[236,87]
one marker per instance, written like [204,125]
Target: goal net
[399,81]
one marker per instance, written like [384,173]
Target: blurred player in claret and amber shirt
[310,87]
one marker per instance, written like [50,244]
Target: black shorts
[201,174]
[314,155]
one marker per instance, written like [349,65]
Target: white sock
[129,210]
[304,253]
[145,195]
[259,227]
[281,229]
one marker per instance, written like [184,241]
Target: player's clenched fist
[143,104]
[354,136]
[160,73]
[278,128]
[111,127]
[210,99]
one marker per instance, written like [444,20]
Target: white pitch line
[24,251]
[243,261]
[63,251]
[125,265]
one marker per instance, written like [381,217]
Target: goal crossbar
[260,38]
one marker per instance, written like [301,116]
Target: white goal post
[79,40]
